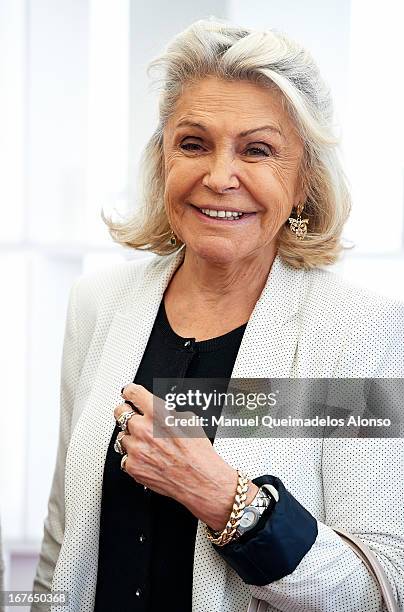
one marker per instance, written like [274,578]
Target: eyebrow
[271,128]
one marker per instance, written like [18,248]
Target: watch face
[249,518]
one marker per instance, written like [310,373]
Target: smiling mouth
[222,215]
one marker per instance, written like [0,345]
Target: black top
[143,563]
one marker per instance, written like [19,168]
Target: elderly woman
[244,201]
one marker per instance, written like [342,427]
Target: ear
[301,189]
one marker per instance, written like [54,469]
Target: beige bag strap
[374,566]
[257,605]
[369,559]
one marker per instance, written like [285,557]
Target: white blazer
[305,324]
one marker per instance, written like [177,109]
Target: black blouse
[147,540]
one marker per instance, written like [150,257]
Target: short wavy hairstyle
[269,58]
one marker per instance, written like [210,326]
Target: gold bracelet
[220,538]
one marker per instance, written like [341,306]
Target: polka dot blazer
[305,324]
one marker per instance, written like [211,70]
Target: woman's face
[230,147]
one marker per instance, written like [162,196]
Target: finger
[130,403]
[128,467]
[140,396]
[119,445]
[134,408]
[120,409]
[173,424]
[124,466]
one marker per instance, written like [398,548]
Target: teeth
[228,214]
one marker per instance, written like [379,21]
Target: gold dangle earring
[299,226]
[173,240]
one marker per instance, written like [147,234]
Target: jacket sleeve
[55,520]
[363,493]
[288,530]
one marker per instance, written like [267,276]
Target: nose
[221,174]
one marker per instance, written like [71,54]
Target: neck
[214,283]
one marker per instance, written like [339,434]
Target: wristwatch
[266,496]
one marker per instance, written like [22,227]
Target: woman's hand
[188,469]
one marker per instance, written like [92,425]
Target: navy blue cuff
[277,544]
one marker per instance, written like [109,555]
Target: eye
[259,150]
[192,147]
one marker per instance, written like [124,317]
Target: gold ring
[118,447]
[123,461]
[122,420]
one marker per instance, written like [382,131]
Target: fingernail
[122,389]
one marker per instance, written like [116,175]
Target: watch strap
[266,496]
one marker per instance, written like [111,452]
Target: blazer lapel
[270,340]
